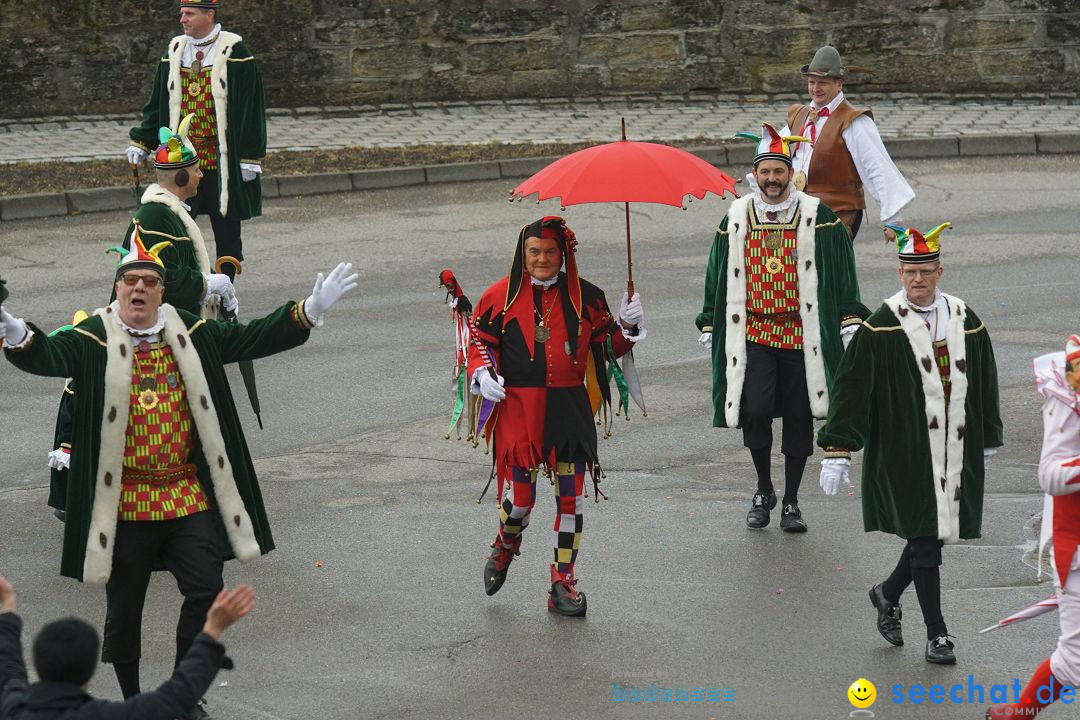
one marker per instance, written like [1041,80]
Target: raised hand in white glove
[135,154]
[705,340]
[490,387]
[987,454]
[59,459]
[833,472]
[328,291]
[249,171]
[12,329]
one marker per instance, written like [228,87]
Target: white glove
[218,284]
[249,171]
[135,154]
[59,459]
[846,333]
[987,454]
[833,472]
[705,340]
[489,387]
[328,291]
[12,329]
[630,310]
[230,303]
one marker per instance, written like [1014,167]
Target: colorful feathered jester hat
[772,145]
[137,256]
[175,151]
[914,247]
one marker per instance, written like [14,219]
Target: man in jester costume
[1057,378]
[541,339]
[210,73]
[917,389]
[161,473]
[190,283]
[780,294]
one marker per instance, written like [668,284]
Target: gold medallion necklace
[148,397]
[543,330]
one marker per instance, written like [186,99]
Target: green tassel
[459,403]
[614,371]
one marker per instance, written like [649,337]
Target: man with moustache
[210,73]
[846,152]
[781,299]
[541,341]
[918,390]
[161,472]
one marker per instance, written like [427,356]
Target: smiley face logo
[862,693]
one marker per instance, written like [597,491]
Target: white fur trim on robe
[97,564]
[945,428]
[219,88]
[735,317]
[156,194]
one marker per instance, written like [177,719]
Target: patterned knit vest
[159,441]
[772,284]
[203,130]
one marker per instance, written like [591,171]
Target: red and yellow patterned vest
[203,130]
[772,284]
[158,482]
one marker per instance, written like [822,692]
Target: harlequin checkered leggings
[518,501]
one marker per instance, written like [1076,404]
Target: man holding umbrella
[780,293]
[541,338]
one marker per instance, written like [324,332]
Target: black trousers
[226,232]
[775,386]
[188,547]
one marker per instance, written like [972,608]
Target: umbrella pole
[629,260]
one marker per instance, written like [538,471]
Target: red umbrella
[627,171]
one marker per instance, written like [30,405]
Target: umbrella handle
[228,260]
[629,258]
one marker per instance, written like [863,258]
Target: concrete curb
[75,202]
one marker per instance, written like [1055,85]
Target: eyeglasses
[150,281]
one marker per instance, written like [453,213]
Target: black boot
[888,616]
[564,597]
[498,563]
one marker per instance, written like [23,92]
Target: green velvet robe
[922,471]
[828,295]
[240,109]
[97,355]
[161,217]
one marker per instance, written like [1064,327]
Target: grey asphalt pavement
[357,476]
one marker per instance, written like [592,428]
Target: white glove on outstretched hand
[833,472]
[490,388]
[12,329]
[631,313]
[135,154]
[705,340]
[328,291]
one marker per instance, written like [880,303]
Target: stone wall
[97,56]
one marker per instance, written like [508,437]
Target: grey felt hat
[826,63]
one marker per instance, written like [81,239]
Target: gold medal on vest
[148,399]
[773,241]
[773,265]
[800,180]
[194,89]
[542,334]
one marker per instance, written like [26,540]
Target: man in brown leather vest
[847,152]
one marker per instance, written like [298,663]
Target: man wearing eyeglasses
[162,472]
[916,389]
[190,283]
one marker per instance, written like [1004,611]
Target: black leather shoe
[498,563]
[791,519]
[888,616]
[198,712]
[939,651]
[758,517]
